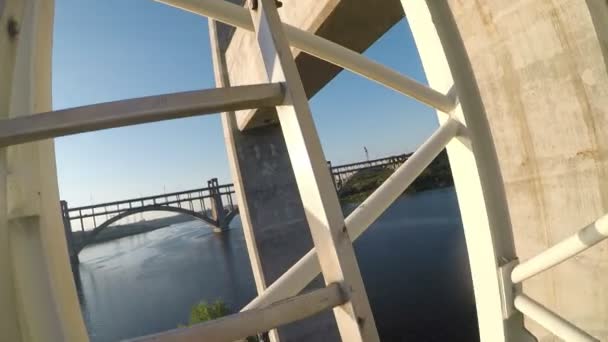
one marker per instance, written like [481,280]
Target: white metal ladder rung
[253,322]
[57,123]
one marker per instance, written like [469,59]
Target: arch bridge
[213,205]
[203,204]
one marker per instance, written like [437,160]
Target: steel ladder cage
[464,131]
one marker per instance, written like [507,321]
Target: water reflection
[413,261]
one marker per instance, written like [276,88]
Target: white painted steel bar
[551,321]
[136,111]
[324,49]
[307,268]
[359,64]
[240,325]
[564,250]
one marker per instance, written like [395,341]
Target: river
[413,260]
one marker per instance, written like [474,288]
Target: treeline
[437,175]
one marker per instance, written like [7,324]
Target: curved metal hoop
[478,181]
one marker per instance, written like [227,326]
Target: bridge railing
[392,160]
[226,188]
[190,198]
[342,173]
[226,191]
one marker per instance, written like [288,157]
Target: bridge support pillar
[218,213]
[271,211]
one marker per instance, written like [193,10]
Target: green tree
[203,312]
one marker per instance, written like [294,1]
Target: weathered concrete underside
[355,24]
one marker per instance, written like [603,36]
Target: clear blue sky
[107,50]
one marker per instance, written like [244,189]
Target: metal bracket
[507,288]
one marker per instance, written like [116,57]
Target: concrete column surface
[270,207]
[541,71]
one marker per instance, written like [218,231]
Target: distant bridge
[205,204]
[343,173]
[214,205]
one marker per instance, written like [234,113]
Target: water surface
[413,260]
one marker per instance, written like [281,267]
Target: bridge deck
[344,168]
[199,200]
[201,194]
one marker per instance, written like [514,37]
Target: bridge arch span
[128,212]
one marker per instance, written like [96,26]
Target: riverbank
[436,176]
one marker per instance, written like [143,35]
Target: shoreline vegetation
[437,175]
[203,312]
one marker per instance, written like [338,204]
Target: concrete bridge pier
[217,217]
[218,214]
